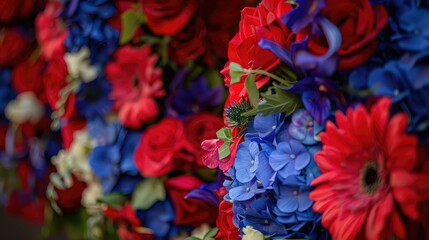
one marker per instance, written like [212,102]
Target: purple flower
[303,15]
[289,158]
[184,101]
[317,95]
[302,127]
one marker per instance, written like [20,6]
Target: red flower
[200,127]
[168,17]
[136,82]
[11,11]
[28,77]
[367,181]
[68,130]
[189,211]
[220,30]
[257,23]
[129,224]
[55,81]
[69,199]
[189,43]
[15,46]
[50,31]
[157,147]
[227,229]
[359,24]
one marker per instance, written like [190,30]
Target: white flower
[201,231]
[26,107]
[75,160]
[90,195]
[252,234]
[79,67]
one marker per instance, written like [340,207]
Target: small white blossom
[25,108]
[252,234]
[79,67]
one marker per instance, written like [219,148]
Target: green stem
[268,74]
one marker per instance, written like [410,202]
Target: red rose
[155,152]
[359,24]
[227,229]
[16,10]
[51,31]
[220,30]
[168,17]
[189,211]
[55,80]
[264,21]
[28,77]
[15,46]
[189,43]
[200,127]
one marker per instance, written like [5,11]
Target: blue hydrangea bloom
[413,32]
[257,213]
[160,218]
[86,22]
[407,83]
[114,164]
[293,195]
[289,158]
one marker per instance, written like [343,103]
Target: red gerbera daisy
[136,82]
[367,180]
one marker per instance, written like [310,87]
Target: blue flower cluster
[403,77]
[271,177]
[112,158]
[87,25]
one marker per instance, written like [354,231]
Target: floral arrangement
[104,105]
[326,122]
[114,123]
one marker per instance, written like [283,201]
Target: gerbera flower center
[370,178]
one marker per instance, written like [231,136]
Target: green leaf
[192,238]
[224,150]
[131,20]
[279,101]
[147,193]
[224,134]
[235,71]
[211,234]
[115,200]
[252,90]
